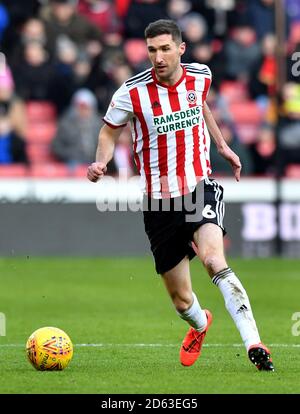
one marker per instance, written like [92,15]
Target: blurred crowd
[61,61]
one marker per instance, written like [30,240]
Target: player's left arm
[220,142]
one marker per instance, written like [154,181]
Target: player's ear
[182,48]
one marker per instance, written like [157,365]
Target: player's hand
[96,171]
[234,160]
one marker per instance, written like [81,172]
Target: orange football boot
[190,349]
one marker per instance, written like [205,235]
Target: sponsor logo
[177,121]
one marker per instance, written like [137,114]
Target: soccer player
[169,117]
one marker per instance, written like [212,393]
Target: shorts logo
[112,104]
[191,96]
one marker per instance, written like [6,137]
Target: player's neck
[173,79]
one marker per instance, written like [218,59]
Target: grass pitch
[127,334]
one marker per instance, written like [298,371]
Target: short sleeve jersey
[170,139]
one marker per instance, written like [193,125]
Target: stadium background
[60,62]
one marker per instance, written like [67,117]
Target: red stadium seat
[13,170]
[40,111]
[39,153]
[49,170]
[41,131]
[135,51]
[234,91]
[246,112]
[247,133]
[292,171]
[80,171]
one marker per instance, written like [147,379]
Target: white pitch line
[176,345]
[157,345]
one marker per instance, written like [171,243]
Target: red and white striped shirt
[170,139]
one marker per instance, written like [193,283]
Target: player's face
[165,55]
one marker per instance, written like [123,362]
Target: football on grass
[49,349]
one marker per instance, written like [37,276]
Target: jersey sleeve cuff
[112,125]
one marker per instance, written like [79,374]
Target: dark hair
[163,26]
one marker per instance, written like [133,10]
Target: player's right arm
[118,114]
[105,150]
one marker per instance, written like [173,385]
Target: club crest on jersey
[191,96]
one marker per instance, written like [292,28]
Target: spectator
[262,16]
[140,13]
[61,19]
[11,105]
[242,53]
[12,146]
[82,69]
[289,127]
[77,134]
[194,30]
[64,84]
[35,79]
[120,74]
[176,9]
[203,52]
[263,77]
[122,8]
[103,15]
[18,15]
[217,13]
[87,76]
[219,106]
[44,80]
[263,151]
[220,165]
[32,30]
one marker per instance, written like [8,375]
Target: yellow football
[49,349]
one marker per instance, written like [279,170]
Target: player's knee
[213,262]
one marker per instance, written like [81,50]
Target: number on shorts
[208,213]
